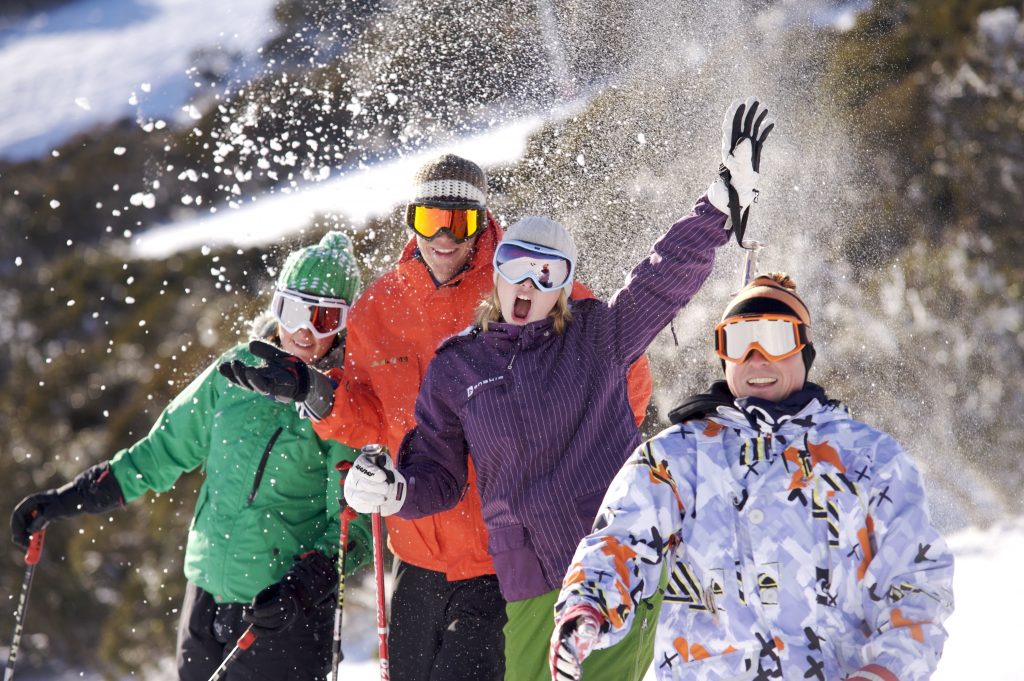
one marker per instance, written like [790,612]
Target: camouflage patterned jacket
[802,550]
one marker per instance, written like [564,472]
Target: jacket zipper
[262,466]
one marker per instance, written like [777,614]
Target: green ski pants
[528,635]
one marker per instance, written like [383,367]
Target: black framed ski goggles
[459,222]
[775,336]
[323,317]
[549,269]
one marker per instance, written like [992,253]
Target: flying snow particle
[146,87]
[147,200]
[71,303]
[54,204]
[641,138]
[119,151]
[83,103]
[18,261]
[581,161]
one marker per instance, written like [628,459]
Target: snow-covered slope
[95,61]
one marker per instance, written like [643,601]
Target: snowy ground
[98,60]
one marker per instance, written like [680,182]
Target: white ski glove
[744,130]
[373,485]
[576,632]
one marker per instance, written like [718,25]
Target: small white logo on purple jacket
[472,389]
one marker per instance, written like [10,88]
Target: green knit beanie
[327,269]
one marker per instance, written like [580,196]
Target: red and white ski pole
[379,456]
[382,614]
[244,641]
[344,518]
[32,556]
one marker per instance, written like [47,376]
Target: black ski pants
[446,631]
[208,632]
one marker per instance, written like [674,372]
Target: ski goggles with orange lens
[460,223]
[773,335]
[549,269]
[323,317]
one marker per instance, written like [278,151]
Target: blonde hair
[489,310]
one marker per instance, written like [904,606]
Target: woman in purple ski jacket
[536,394]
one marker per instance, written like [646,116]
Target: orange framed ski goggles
[461,223]
[775,336]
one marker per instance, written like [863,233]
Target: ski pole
[345,516]
[379,457]
[382,615]
[32,556]
[753,249]
[244,641]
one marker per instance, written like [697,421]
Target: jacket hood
[700,405]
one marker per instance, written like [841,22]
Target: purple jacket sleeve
[434,455]
[661,284]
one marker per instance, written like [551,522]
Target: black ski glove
[284,378]
[94,490]
[308,583]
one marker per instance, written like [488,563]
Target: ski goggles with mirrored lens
[549,269]
[775,336]
[323,317]
[460,223]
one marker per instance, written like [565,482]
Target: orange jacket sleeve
[357,417]
[640,386]
[639,383]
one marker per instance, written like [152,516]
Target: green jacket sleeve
[359,550]
[178,442]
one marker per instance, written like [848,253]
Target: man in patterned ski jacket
[797,539]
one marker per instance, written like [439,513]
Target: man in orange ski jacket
[446,611]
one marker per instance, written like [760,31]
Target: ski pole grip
[246,639]
[35,548]
[346,517]
[379,456]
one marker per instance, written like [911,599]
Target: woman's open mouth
[521,308]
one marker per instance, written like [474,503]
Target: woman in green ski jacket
[264,538]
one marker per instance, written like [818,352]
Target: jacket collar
[747,415]
[526,335]
[806,407]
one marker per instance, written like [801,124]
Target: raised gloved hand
[576,631]
[94,490]
[373,484]
[307,584]
[744,130]
[284,378]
